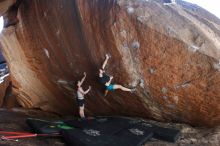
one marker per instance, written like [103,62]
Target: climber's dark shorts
[110,87]
[80,102]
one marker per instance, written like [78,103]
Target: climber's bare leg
[122,88]
[81,112]
[106,92]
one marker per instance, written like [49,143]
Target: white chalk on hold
[58,32]
[142,83]
[216,66]
[167,4]
[193,48]
[61,81]
[1,80]
[130,10]
[47,53]
[139,18]
[152,70]
[3,77]
[135,45]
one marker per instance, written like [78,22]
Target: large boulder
[5,5]
[170,51]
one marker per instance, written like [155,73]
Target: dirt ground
[14,120]
[190,136]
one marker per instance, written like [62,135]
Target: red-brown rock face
[5,4]
[172,49]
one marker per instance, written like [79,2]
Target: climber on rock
[80,96]
[106,79]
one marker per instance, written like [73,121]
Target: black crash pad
[161,133]
[166,134]
[107,131]
[106,125]
[104,131]
[136,135]
[46,127]
[93,137]
[113,125]
[79,137]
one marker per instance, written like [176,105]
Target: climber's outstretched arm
[105,62]
[83,79]
[109,82]
[87,91]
